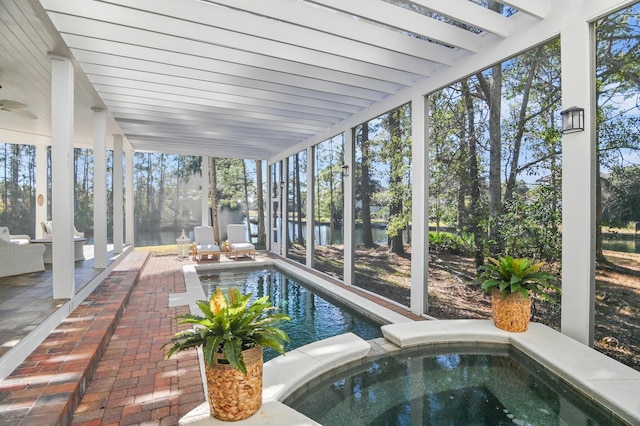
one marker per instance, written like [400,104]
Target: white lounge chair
[205,244]
[237,242]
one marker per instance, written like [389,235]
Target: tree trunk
[493,95]
[262,234]
[246,197]
[365,189]
[396,244]
[522,121]
[298,191]
[474,180]
[213,185]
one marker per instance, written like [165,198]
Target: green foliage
[229,325]
[451,243]
[531,222]
[621,196]
[516,275]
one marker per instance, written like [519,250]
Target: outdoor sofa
[18,256]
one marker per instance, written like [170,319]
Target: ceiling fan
[16,107]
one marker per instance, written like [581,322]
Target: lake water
[617,243]
[623,244]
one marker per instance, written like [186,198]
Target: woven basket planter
[232,395]
[511,312]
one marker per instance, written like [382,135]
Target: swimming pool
[313,317]
[445,385]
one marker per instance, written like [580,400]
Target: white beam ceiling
[246,78]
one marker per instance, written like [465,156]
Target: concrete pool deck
[613,384]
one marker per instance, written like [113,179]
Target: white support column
[269,209]
[99,188]
[420,205]
[41,189]
[204,194]
[118,197]
[284,208]
[128,200]
[62,109]
[310,225]
[578,184]
[349,209]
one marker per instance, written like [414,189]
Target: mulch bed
[453,294]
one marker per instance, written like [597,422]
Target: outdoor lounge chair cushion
[236,237]
[205,243]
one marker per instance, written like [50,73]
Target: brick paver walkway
[111,344]
[134,382]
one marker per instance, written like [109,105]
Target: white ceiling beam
[531,32]
[200,97]
[123,109]
[117,66]
[185,103]
[172,51]
[174,84]
[469,13]
[412,22]
[201,17]
[167,33]
[307,15]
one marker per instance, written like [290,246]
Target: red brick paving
[112,341]
[134,382]
[46,388]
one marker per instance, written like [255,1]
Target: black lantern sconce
[572,120]
[345,171]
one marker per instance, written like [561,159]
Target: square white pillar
[348,220]
[118,197]
[420,205]
[41,189]
[204,192]
[99,188]
[62,178]
[128,199]
[578,184]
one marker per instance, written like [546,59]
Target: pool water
[462,385]
[313,317]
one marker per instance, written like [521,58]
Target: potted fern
[511,282]
[232,333]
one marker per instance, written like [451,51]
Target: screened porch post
[128,199]
[118,197]
[41,188]
[349,210]
[310,226]
[420,205]
[62,125]
[99,188]
[204,192]
[578,184]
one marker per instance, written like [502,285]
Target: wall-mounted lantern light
[572,120]
[345,170]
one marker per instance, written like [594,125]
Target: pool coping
[598,376]
[362,305]
[611,383]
